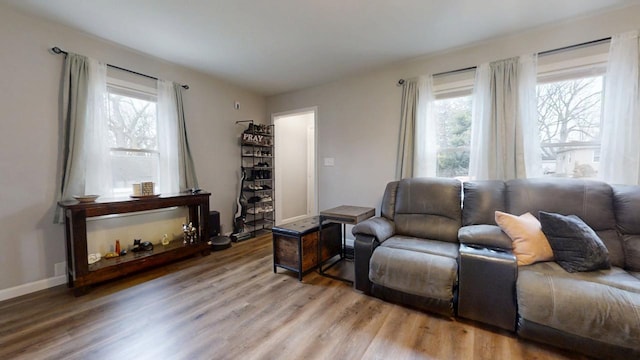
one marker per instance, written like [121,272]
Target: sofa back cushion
[481,200]
[429,208]
[627,206]
[388,208]
[591,201]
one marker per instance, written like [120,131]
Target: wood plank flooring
[230,305]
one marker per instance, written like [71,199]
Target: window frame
[137,91]
[575,64]
[450,86]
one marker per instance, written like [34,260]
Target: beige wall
[30,244]
[358,118]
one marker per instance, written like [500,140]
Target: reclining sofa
[436,246]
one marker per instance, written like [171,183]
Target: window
[133,140]
[453,117]
[452,112]
[569,91]
[569,114]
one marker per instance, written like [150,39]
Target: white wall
[30,244]
[358,118]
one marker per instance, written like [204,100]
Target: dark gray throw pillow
[576,247]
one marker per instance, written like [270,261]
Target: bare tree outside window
[132,123]
[569,113]
[133,139]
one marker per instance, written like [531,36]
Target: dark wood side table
[346,215]
[80,274]
[295,245]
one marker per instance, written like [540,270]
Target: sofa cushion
[426,246]
[429,208]
[576,247]
[592,201]
[481,200]
[602,305]
[613,241]
[387,209]
[632,251]
[530,245]
[627,206]
[414,272]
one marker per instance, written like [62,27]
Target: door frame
[312,164]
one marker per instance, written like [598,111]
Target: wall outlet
[236,105]
[60,269]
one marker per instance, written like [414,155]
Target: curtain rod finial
[400,82]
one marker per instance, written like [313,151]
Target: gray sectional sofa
[436,246]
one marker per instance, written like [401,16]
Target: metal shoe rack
[258,189]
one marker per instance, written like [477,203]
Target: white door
[295,165]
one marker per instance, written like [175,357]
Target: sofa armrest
[379,227]
[487,285]
[363,248]
[489,236]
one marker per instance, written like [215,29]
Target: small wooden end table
[346,215]
[295,245]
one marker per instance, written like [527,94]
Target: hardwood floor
[230,305]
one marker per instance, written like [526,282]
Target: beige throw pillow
[530,245]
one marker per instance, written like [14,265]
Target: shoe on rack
[254,199]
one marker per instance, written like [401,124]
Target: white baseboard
[28,288]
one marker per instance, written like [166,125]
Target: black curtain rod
[588,43]
[542,53]
[57,50]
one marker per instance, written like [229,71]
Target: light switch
[329,161]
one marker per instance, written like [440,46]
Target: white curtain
[168,180]
[529,153]
[98,161]
[620,146]
[425,162]
[177,171]
[504,140]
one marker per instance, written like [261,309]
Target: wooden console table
[80,273]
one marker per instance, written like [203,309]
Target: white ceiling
[276,46]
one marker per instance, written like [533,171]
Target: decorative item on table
[94,258]
[190,233]
[137,189]
[111,255]
[147,188]
[86,198]
[165,240]
[118,250]
[139,245]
